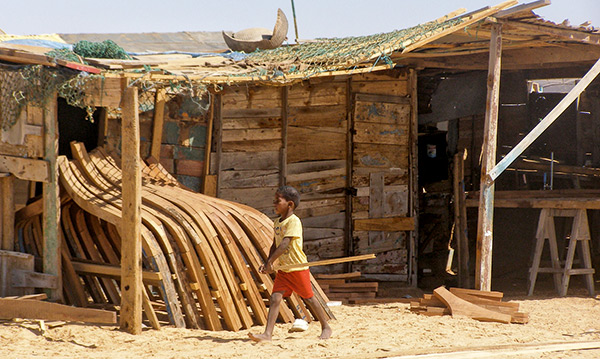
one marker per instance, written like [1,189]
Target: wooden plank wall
[380,170]
[250,145]
[316,164]
[251,126]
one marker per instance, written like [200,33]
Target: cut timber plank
[327,262]
[35,309]
[338,275]
[25,168]
[381,301]
[112,271]
[29,279]
[462,307]
[492,295]
[390,224]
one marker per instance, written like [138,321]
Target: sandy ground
[360,331]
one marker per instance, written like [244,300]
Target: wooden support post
[159,118]
[284,139]
[460,220]
[102,126]
[218,118]
[51,213]
[348,239]
[414,183]
[131,247]
[7,198]
[485,220]
[208,148]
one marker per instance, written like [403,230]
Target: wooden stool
[580,232]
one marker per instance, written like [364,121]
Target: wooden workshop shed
[338,119]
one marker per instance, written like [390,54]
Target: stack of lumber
[339,287]
[485,306]
[200,254]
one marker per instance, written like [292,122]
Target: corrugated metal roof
[188,42]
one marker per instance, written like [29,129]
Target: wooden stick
[327,262]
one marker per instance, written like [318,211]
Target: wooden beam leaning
[131,222]
[50,190]
[36,309]
[208,147]
[545,123]
[25,168]
[483,272]
[157,126]
[460,219]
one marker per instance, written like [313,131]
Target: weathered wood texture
[380,171]
[131,254]
[51,218]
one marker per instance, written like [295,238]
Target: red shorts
[289,282]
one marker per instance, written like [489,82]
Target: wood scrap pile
[480,305]
[340,287]
[200,254]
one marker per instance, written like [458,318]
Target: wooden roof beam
[565,34]
[522,8]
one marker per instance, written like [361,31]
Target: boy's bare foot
[260,337]
[326,333]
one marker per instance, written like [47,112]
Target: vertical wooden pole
[485,220]
[131,246]
[460,220]
[159,119]
[284,137]
[50,190]
[348,245]
[208,146]
[102,126]
[218,123]
[7,197]
[414,183]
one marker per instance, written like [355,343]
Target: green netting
[34,85]
[348,52]
[106,49]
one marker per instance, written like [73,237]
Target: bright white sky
[316,18]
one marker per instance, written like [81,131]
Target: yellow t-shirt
[290,227]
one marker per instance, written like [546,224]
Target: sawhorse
[580,232]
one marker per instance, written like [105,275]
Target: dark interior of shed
[454,122]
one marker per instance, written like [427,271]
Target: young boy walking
[287,247]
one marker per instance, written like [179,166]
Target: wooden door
[380,175]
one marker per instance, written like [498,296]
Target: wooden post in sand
[131,246]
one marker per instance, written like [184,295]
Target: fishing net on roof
[348,52]
[35,84]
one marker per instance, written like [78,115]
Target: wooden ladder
[579,233]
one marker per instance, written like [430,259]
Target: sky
[315,18]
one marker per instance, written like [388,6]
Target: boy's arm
[275,253]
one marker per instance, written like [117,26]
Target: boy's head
[290,194]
